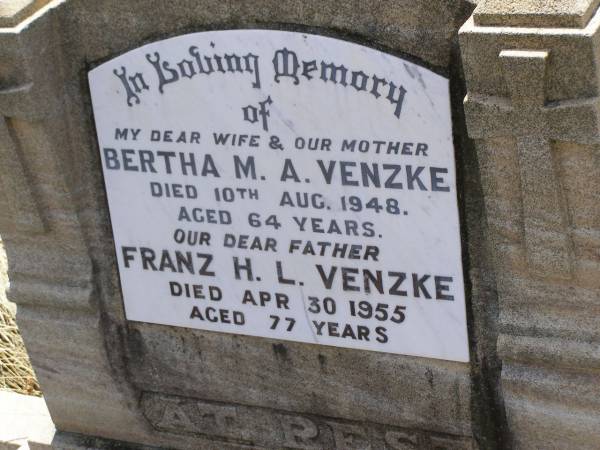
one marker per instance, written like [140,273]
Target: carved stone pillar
[51,269]
[532,108]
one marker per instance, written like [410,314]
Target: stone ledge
[535,13]
[12,12]
[25,422]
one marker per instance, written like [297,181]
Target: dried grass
[16,373]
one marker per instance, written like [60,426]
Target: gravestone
[280,184]
[277,224]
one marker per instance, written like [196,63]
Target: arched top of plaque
[284,185]
[360,85]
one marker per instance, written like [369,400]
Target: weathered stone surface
[529,182]
[24,422]
[14,11]
[532,109]
[535,13]
[280,429]
[289,376]
[95,367]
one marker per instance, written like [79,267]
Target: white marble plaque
[284,185]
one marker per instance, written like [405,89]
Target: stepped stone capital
[535,13]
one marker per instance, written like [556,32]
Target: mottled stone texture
[533,110]
[535,13]
[14,11]
[529,186]
[179,388]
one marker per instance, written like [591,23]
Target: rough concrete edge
[12,15]
[510,16]
[472,26]
[487,405]
[25,422]
[72,441]
[22,19]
